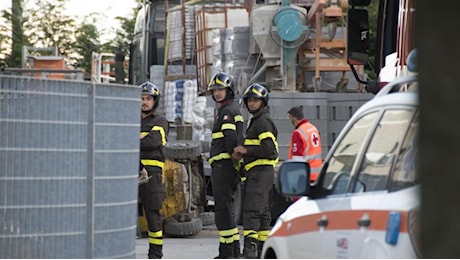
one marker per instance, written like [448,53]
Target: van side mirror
[357,36]
[293,178]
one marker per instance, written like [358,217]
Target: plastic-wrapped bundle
[199,121]
[170,101]
[188,102]
[178,108]
[174,92]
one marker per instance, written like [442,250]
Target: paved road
[203,245]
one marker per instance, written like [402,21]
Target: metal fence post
[90,200]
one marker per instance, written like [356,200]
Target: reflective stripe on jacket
[261,142]
[311,151]
[227,132]
[154,129]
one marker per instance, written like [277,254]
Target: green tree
[49,26]
[5,39]
[373,17]
[44,23]
[11,35]
[18,39]
[124,35]
[87,42]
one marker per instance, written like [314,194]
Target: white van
[365,202]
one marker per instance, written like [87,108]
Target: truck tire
[207,218]
[205,146]
[182,149]
[175,228]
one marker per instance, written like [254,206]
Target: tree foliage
[5,40]
[87,42]
[373,15]
[18,39]
[44,23]
[48,26]
[124,35]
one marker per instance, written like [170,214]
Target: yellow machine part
[142,226]
[175,179]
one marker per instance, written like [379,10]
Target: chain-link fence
[69,154]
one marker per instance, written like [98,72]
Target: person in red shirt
[305,141]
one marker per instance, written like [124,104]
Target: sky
[109,9]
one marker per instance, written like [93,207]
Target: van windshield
[345,154]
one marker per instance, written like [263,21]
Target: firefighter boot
[250,248]
[236,249]
[260,245]
[155,251]
[225,251]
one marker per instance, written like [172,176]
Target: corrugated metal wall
[69,153]
[329,112]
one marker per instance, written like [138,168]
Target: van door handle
[322,222]
[364,221]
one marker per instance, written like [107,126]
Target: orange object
[311,148]
[49,62]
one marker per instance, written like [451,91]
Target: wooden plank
[335,43]
[327,65]
[317,6]
[178,77]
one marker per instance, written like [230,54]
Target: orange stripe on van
[340,220]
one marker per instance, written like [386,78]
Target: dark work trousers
[256,213]
[152,195]
[225,181]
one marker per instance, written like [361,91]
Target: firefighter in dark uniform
[227,133]
[260,155]
[154,129]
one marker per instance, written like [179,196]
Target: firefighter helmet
[256,90]
[150,89]
[222,80]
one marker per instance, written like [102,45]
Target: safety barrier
[69,154]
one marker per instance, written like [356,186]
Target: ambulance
[366,200]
